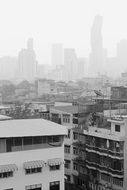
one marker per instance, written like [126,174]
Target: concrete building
[67,116]
[98,53]
[101,155]
[31,155]
[27,62]
[57,55]
[70,64]
[45,87]
[121,56]
[119,93]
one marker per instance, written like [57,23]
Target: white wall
[20,180]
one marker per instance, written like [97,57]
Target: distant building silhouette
[98,53]
[70,64]
[121,55]
[27,62]
[57,55]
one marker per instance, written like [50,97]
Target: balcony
[102,168]
[104,151]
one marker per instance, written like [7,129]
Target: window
[83,170]
[6,174]
[44,140]
[67,149]
[117,128]
[118,182]
[34,187]
[105,177]
[9,189]
[67,164]
[49,139]
[18,141]
[75,136]
[75,120]
[66,118]
[27,140]
[9,144]
[33,170]
[53,168]
[69,133]
[75,151]
[56,138]
[55,185]
[75,166]
[37,140]
[80,182]
[68,178]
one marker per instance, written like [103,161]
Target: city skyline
[51,22]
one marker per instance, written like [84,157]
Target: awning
[8,168]
[34,164]
[55,161]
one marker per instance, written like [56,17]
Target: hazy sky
[63,21]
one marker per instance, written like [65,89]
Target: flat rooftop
[30,127]
[67,109]
[4,117]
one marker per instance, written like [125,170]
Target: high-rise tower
[98,53]
[27,62]
[57,55]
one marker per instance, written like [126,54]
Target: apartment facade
[67,116]
[31,155]
[101,158]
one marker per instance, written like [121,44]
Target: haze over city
[63,95]
[66,22]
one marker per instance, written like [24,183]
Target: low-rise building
[31,155]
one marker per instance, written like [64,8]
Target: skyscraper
[121,55]
[98,53]
[57,55]
[27,62]
[70,64]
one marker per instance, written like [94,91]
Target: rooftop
[30,127]
[67,109]
[4,117]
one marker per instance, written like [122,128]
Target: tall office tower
[57,55]
[27,62]
[70,64]
[121,56]
[30,44]
[98,53]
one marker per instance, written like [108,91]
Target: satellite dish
[98,93]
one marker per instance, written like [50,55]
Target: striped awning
[55,161]
[8,168]
[34,164]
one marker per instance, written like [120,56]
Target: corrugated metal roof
[30,127]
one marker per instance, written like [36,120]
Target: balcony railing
[108,152]
[100,167]
[108,170]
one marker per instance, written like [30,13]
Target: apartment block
[31,155]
